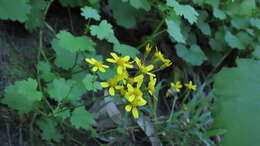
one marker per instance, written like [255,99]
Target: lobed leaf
[89,13]
[81,118]
[14,10]
[23,96]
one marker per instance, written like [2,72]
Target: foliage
[23,96]
[238,100]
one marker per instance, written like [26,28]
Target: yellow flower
[151,85]
[122,62]
[191,86]
[133,92]
[137,79]
[167,62]
[112,85]
[158,54]
[133,106]
[148,48]
[143,68]
[177,86]
[97,65]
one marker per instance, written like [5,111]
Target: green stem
[186,96]
[154,34]
[172,110]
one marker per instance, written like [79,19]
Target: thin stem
[154,34]
[172,110]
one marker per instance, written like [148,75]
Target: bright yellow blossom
[133,92]
[122,62]
[97,65]
[158,54]
[167,62]
[191,86]
[137,79]
[143,68]
[112,85]
[177,86]
[148,48]
[133,106]
[161,57]
[151,85]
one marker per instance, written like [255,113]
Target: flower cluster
[176,87]
[132,84]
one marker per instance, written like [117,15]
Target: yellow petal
[141,102]
[138,62]
[88,60]
[119,87]
[105,66]
[128,107]
[94,69]
[104,84]
[111,91]
[151,74]
[114,56]
[120,69]
[149,67]
[130,87]
[131,98]
[135,113]
[126,58]
[111,60]
[128,65]
[139,78]
[102,69]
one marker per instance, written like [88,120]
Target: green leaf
[64,58]
[218,43]
[187,11]
[233,41]
[89,12]
[240,22]
[91,83]
[144,4]
[22,96]
[194,55]
[44,69]
[243,8]
[49,130]
[104,31]
[36,16]
[256,52]
[124,14]
[74,44]
[59,89]
[214,132]
[82,119]
[126,50]
[109,74]
[238,105]
[219,14]
[14,10]
[255,22]
[174,29]
[77,91]
[62,113]
[245,38]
